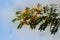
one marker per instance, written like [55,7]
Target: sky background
[9,31]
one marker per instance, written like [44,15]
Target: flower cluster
[47,15]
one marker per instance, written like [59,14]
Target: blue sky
[8,30]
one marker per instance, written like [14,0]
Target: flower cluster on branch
[48,15]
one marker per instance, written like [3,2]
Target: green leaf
[32,26]
[56,22]
[55,10]
[52,22]
[27,16]
[54,15]
[20,26]
[18,12]
[44,9]
[37,21]
[40,28]
[14,19]
[44,25]
[51,10]
[18,17]
[54,30]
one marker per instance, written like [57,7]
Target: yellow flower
[39,7]
[41,12]
[25,22]
[26,11]
[33,16]
[34,9]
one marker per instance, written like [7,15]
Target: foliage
[47,15]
